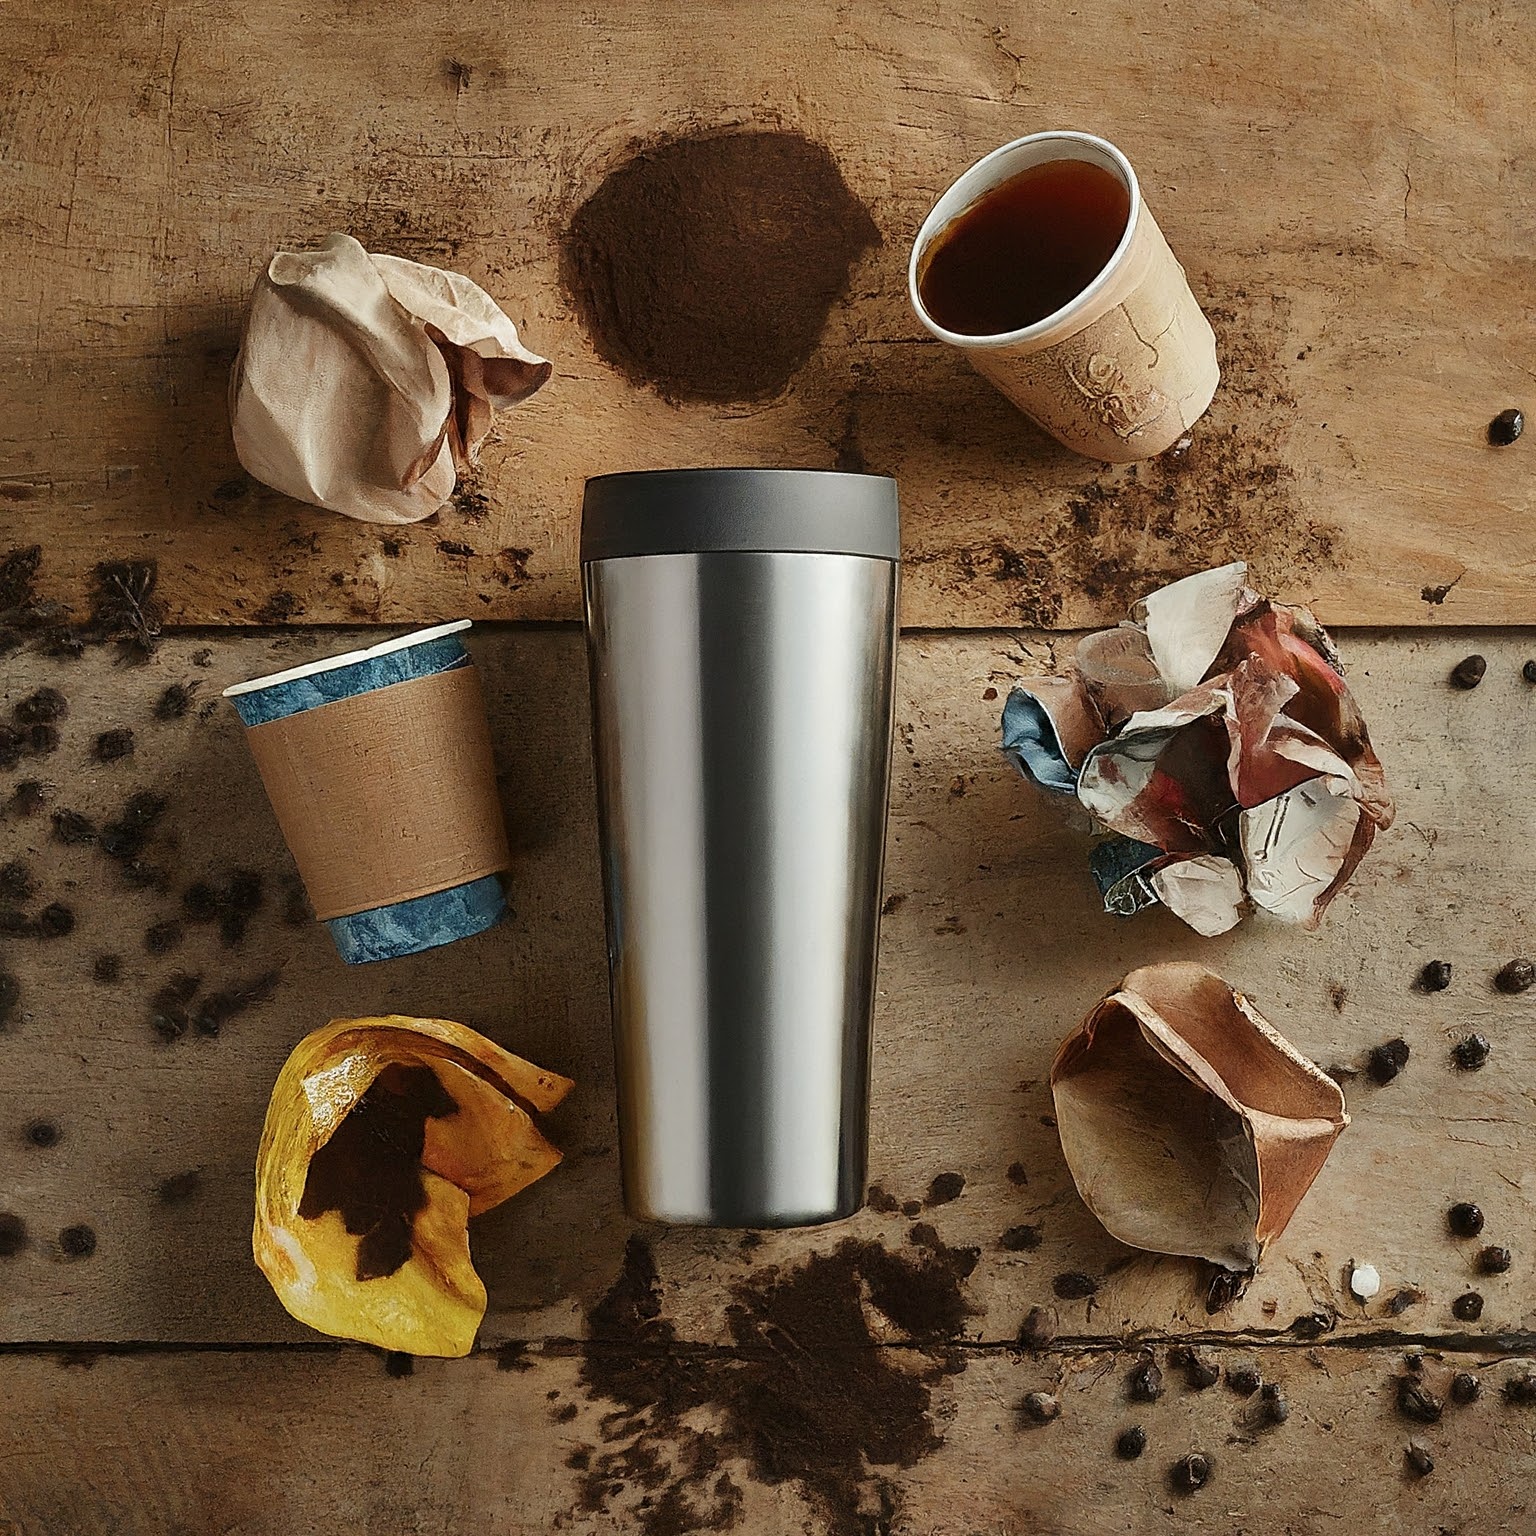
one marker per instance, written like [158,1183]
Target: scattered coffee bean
[1506,427]
[1471,1052]
[111,745]
[200,902]
[1465,1219]
[1038,1328]
[1201,1371]
[28,797]
[1245,1380]
[1413,1360]
[1403,1299]
[77,1242]
[1465,1388]
[17,883]
[1130,1443]
[944,1188]
[1521,1389]
[1516,976]
[175,701]
[1074,1285]
[179,1187]
[1528,671]
[162,938]
[73,828]
[1020,1239]
[55,921]
[42,707]
[1225,1287]
[40,740]
[1418,1460]
[1146,1383]
[1191,1473]
[13,1235]
[1493,1260]
[1273,1408]
[1416,1401]
[1436,976]
[1469,671]
[107,969]
[44,1134]
[1387,1060]
[1040,1407]
[1467,1307]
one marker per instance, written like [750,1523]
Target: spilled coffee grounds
[706,267]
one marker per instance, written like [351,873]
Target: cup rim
[945,211]
[348,658]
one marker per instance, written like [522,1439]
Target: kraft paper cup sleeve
[387,795]
[1189,1124]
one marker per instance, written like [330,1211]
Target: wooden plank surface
[283,1443]
[992,949]
[1351,186]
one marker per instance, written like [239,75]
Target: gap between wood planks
[1495,1346]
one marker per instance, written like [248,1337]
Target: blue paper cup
[423,922]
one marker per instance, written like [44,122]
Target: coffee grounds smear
[706,266]
[802,1396]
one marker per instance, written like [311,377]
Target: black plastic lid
[694,511]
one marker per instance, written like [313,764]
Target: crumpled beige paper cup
[365,383]
[1125,369]
[1189,1124]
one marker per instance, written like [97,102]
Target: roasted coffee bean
[1038,1328]
[1130,1443]
[1245,1380]
[1021,1239]
[1506,427]
[1493,1260]
[1465,1219]
[1521,1389]
[1416,1401]
[1436,976]
[1516,976]
[55,921]
[73,828]
[13,1235]
[1467,1307]
[44,1134]
[109,746]
[1146,1383]
[1273,1408]
[1471,1052]
[78,1242]
[1040,1407]
[1201,1371]
[1418,1460]
[1469,671]
[1528,671]
[1191,1473]
[1465,1388]
[1074,1285]
[42,707]
[1387,1060]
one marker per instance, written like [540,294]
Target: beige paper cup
[1125,369]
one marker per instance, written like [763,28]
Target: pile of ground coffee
[706,267]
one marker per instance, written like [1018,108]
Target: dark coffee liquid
[1026,249]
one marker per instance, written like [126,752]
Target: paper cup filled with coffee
[1043,265]
[378,766]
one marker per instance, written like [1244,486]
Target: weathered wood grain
[1351,187]
[992,948]
[283,1443]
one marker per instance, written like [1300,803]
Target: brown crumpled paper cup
[1191,1126]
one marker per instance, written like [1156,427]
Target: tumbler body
[742,711]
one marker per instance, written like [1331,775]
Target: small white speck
[1364,1280]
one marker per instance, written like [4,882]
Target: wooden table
[1351,189]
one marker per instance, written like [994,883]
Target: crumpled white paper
[365,383]
[1214,733]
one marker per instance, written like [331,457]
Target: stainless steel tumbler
[741,633]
